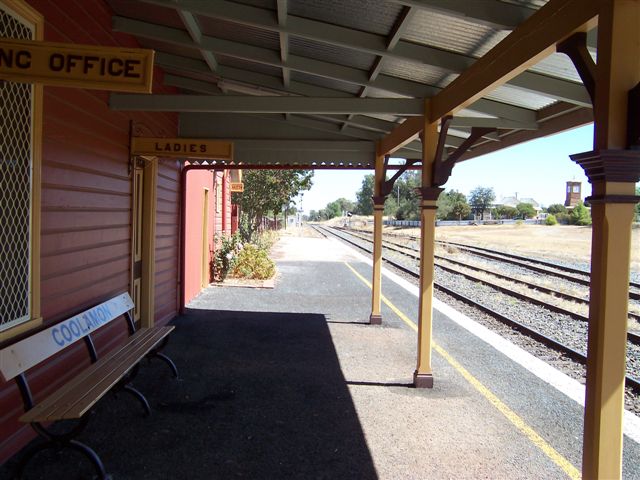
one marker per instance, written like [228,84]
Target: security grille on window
[16,104]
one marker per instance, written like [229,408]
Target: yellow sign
[237,187]
[182,147]
[81,66]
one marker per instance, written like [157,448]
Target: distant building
[514,201]
[574,194]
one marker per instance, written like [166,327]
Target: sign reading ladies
[81,66]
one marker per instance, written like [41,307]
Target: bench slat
[132,358]
[79,381]
[76,390]
[76,397]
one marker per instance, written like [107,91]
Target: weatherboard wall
[197,182]
[86,209]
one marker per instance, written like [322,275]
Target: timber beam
[533,40]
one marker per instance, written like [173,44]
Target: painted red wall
[86,208]
[196,182]
[219,222]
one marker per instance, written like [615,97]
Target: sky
[538,169]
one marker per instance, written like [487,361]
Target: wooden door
[143,238]
[137,238]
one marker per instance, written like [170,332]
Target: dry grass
[563,243]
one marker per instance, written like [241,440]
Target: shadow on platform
[261,396]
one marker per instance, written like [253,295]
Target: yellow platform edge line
[512,416]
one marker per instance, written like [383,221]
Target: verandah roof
[310,82]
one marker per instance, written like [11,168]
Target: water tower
[574,194]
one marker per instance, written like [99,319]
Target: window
[576,189]
[20,127]
[568,188]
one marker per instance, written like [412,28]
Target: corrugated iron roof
[325,82]
[519,97]
[249,66]
[375,16]
[239,33]
[330,53]
[436,29]
[453,33]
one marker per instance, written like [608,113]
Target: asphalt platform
[291,383]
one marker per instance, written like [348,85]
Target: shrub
[519,223]
[224,256]
[253,262]
[265,240]
[551,220]
[563,218]
[557,208]
[581,215]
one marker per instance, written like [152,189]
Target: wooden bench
[74,399]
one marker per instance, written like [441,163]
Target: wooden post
[378,210]
[423,376]
[612,171]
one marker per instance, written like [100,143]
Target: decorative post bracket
[387,185]
[575,47]
[442,168]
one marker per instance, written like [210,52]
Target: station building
[93,181]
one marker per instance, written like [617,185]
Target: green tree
[403,202]
[481,199]
[556,208]
[269,191]
[364,204]
[346,205]
[580,215]
[526,210]
[461,209]
[314,216]
[452,205]
[333,209]
[505,211]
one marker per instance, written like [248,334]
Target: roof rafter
[308,65]
[284,41]
[193,27]
[394,37]
[392,47]
[275,104]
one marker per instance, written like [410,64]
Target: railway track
[535,265]
[413,253]
[524,329]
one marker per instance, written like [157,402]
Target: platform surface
[291,382]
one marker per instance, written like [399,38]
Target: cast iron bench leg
[157,353]
[59,442]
